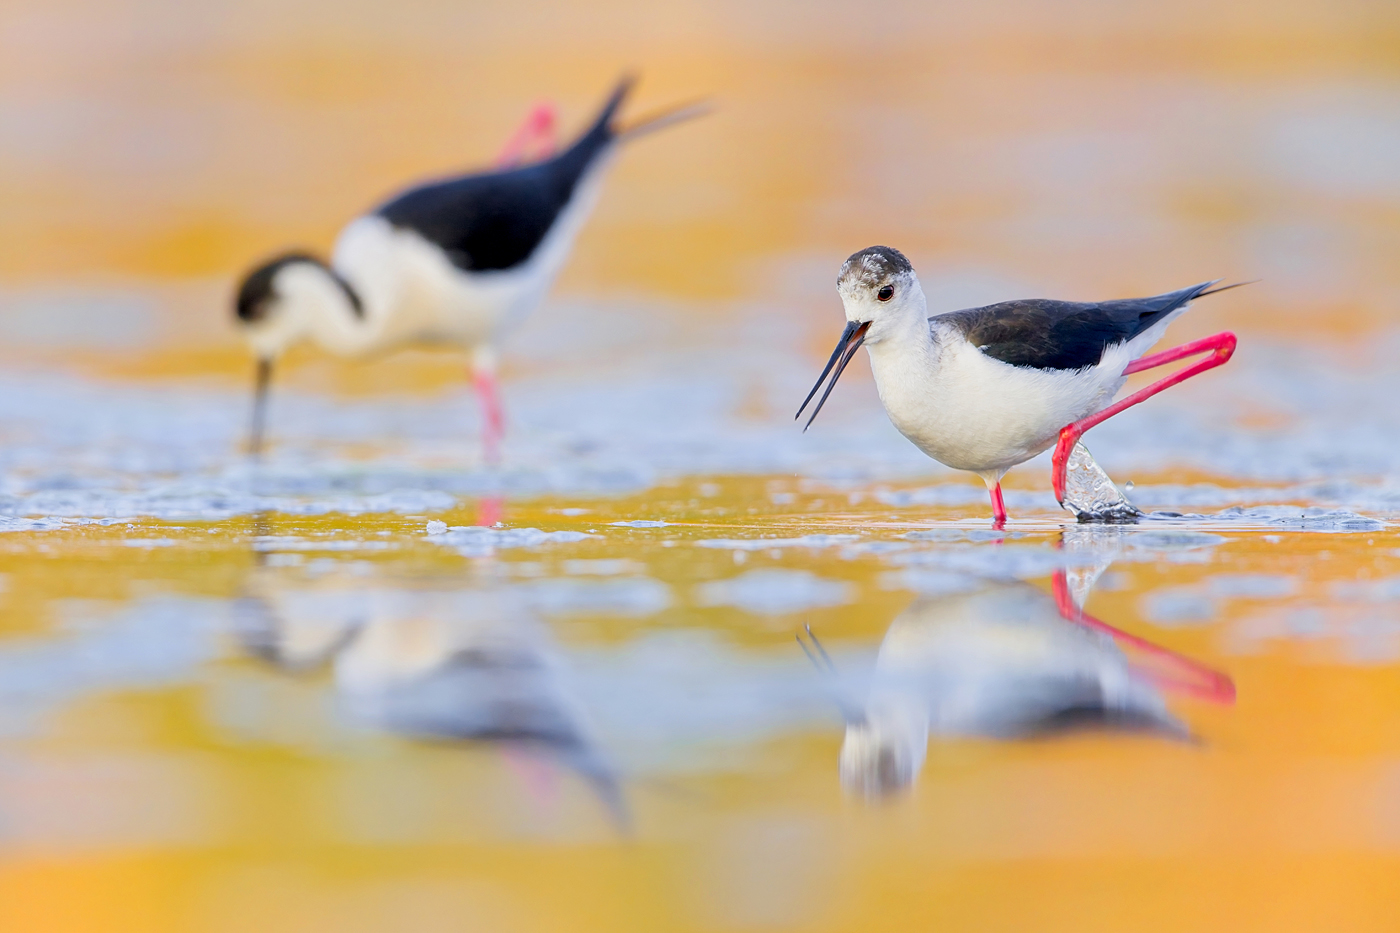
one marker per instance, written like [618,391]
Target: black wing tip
[624,86]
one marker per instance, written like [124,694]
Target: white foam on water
[764,544]
[478,541]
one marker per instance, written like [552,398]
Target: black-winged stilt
[987,388]
[455,261]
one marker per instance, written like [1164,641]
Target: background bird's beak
[851,339]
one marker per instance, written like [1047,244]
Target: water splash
[1090,495]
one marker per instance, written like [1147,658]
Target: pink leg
[533,139]
[1172,670]
[1220,347]
[490,511]
[998,507]
[493,427]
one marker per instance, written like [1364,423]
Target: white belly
[972,412]
[412,293]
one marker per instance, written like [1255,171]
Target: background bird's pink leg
[491,508]
[1220,347]
[492,419]
[490,511]
[534,139]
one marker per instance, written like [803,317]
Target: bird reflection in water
[469,664]
[1003,660]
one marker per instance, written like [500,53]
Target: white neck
[901,345]
[315,305]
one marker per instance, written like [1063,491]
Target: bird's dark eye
[886,293]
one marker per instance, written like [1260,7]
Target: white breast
[972,412]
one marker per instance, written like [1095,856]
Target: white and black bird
[456,261]
[987,388]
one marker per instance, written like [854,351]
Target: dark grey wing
[1049,334]
[496,220]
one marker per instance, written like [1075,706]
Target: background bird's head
[280,301]
[878,288]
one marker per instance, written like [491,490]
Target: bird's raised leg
[533,139]
[1220,347]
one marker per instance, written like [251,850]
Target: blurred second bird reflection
[465,664]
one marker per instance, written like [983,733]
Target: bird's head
[880,294]
[878,288]
[281,301]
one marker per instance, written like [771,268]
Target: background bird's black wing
[1049,334]
[496,220]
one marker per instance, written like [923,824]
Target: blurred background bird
[455,261]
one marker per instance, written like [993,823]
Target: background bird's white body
[411,293]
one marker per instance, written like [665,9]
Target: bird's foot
[1069,436]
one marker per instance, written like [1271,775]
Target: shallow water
[351,718]
[314,693]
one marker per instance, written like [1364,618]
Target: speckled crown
[873,266]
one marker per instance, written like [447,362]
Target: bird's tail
[603,123]
[1212,290]
[662,119]
[606,128]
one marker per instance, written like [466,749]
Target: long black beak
[262,380]
[851,339]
